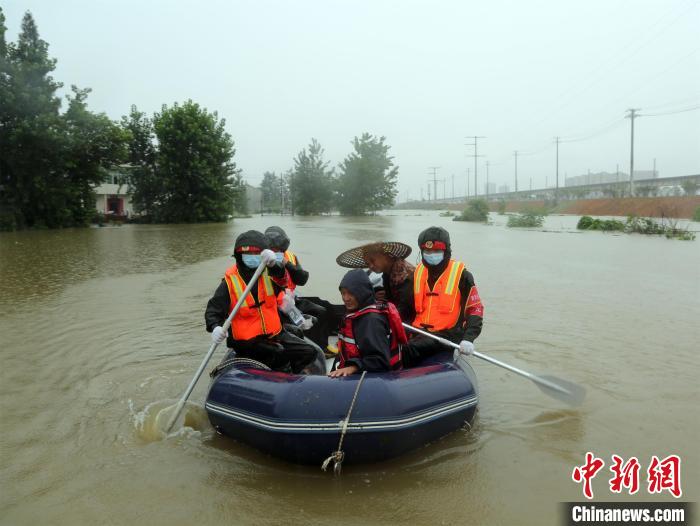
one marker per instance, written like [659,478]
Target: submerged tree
[48,162]
[271,192]
[367,180]
[311,182]
[194,166]
[141,176]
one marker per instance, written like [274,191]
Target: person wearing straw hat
[256,330]
[446,299]
[387,258]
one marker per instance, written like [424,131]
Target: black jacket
[401,295]
[298,275]
[371,330]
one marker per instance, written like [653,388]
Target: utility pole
[556,192]
[435,182]
[617,172]
[515,154]
[475,155]
[453,187]
[653,176]
[631,116]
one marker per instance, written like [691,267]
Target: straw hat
[354,258]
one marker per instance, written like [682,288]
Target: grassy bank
[676,207]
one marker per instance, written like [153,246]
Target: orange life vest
[289,256]
[437,309]
[252,319]
[347,348]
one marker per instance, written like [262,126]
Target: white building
[113,198]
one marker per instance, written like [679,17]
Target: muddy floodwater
[100,327]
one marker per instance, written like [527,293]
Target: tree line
[365,182]
[178,163]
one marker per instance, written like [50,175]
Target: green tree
[690,187]
[311,182]
[93,144]
[199,180]
[32,136]
[271,191]
[367,180]
[142,179]
[49,163]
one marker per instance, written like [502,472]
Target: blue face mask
[279,256]
[433,259]
[252,260]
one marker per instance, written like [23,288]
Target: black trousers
[419,348]
[319,332]
[283,352]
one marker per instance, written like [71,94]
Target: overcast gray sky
[424,74]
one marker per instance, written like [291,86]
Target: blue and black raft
[361,418]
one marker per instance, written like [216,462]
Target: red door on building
[115,205]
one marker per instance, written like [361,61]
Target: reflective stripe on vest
[347,347]
[437,309]
[252,319]
[289,256]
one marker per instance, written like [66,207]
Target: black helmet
[431,235]
[277,238]
[250,241]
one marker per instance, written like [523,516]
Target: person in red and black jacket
[446,299]
[371,333]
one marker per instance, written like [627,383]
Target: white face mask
[252,260]
[279,256]
[434,258]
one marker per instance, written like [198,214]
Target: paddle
[567,392]
[253,281]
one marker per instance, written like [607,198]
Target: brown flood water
[96,325]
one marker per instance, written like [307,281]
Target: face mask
[252,260]
[433,259]
[279,256]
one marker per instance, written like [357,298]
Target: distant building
[503,189]
[490,188]
[113,197]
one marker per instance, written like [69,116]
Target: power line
[692,108]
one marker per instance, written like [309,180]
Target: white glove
[268,257]
[218,335]
[466,347]
[309,322]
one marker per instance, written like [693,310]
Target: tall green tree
[142,179]
[271,191]
[311,182]
[49,163]
[94,144]
[367,180]
[31,141]
[199,180]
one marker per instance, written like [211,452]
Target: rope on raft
[338,455]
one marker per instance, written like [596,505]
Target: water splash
[150,423]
